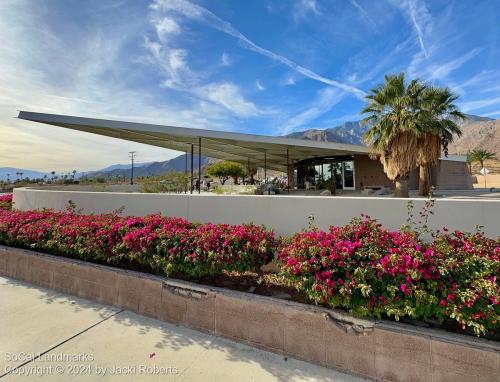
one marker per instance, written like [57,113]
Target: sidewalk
[73,339]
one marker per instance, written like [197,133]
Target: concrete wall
[452,175]
[446,175]
[380,350]
[369,172]
[285,214]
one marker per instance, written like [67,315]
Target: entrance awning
[237,147]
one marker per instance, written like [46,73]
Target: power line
[132,157]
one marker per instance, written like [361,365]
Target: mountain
[26,173]
[483,134]
[153,168]
[348,132]
[120,167]
[477,132]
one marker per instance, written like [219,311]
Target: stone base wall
[379,350]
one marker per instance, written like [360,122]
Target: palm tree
[392,110]
[480,155]
[469,161]
[437,122]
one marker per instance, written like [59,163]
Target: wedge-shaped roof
[241,148]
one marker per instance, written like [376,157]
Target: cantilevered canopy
[237,147]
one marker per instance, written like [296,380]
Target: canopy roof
[237,147]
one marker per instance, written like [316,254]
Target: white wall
[285,214]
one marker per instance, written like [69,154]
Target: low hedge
[164,245]
[6,202]
[360,267]
[374,272]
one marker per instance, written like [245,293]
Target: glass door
[348,175]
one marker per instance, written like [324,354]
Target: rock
[326,193]
[272,267]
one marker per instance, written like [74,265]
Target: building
[316,163]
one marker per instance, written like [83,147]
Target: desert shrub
[374,272]
[171,182]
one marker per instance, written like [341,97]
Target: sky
[262,67]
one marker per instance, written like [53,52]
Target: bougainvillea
[165,245]
[374,272]
[5,201]
[361,267]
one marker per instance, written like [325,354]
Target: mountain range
[147,169]
[477,132]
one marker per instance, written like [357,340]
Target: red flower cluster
[5,201]
[361,266]
[374,272]
[165,245]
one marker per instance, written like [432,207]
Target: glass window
[349,174]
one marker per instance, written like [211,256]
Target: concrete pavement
[49,336]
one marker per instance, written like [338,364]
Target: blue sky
[266,67]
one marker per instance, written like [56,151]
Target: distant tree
[480,155]
[469,161]
[53,175]
[225,170]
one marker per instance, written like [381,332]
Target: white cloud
[439,71]
[203,15]
[182,78]
[259,86]
[88,82]
[289,81]
[225,59]
[167,27]
[479,104]
[363,12]
[228,95]
[419,17]
[303,8]
[485,81]
[324,101]
[492,114]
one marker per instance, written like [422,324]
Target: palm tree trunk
[401,190]
[423,181]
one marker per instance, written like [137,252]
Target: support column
[265,172]
[287,170]
[192,169]
[186,171]
[265,166]
[199,165]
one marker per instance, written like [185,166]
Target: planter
[380,350]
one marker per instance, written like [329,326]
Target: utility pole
[132,157]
